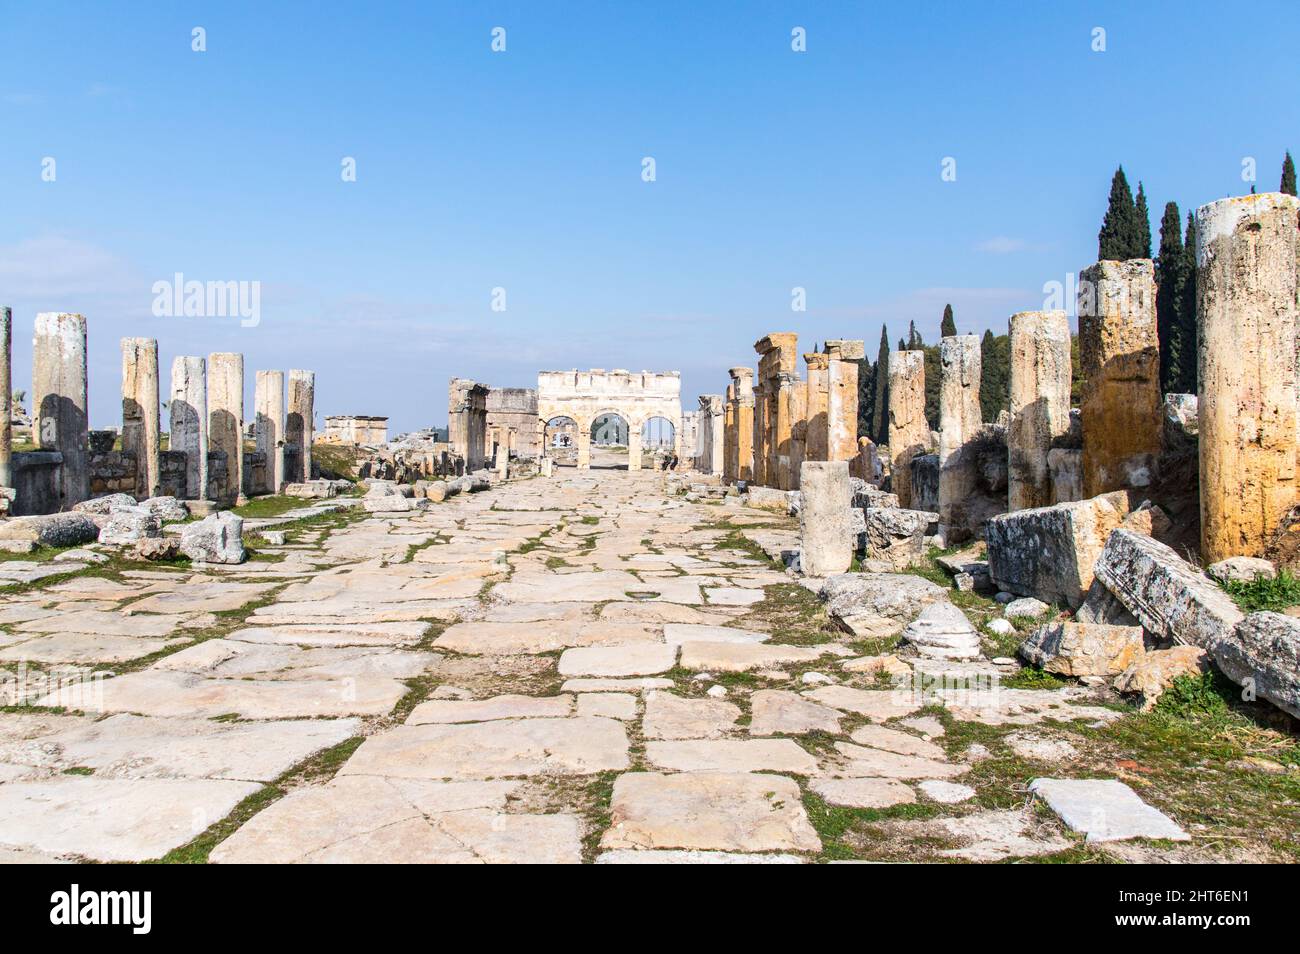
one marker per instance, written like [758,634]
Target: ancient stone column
[140,425]
[909,434]
[743,385]
[1119,355]
[226,419]
[758,473]
[268,425]
[6,396]
[300,422]
[825,531]
[503,457]
[583,437]
[959,422]
[59,403]
[1040,403]
[710,434]
[842,398]
[1246,259]
[634,446]
[189,422]
[816,432]
[778,372]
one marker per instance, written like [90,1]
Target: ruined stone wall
[467,421]
[778,377]
[512,419]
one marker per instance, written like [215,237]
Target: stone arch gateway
[636,396]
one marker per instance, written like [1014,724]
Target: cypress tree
[993,378]
[866,396]
[1288,175]
[1118,235]
[880,412]
[1170,278]
[1187,332]
[932,374]
[914,340]
[1142,249]
[948,327]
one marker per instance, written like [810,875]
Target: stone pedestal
[1119,355]
[909,434]
[300,420]
[584,445]
[1246,307]
[1040,403]
[959,422]
[268,425]
[825,531]
[226,420]
[189,422]
[140,423]
[59,402]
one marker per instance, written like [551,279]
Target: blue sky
[522,170]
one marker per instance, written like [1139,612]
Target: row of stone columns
[779,421]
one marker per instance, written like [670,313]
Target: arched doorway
[610,433]
[658,442]
[560,440]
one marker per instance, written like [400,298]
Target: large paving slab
[580,745]
[370,820]
[113,819]
[708,811]
[1105,809]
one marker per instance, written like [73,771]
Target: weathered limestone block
[897,535]
[215,539]
[825,532]
[140,423]
[311,490]
[1246,253]
[1048,552]
[268,425]
[1263,655]
[942,631]
[166,509]
[768,498]
[909,434]
[1241,569]
[129,525]
[872,605]
[1040,403]
[226,419]
[189,421]
[102,506]
[51,530]
[300,424]
[1083,649]
[1119,355]
[1175,601]
[959,422]
[59,408]
[1102,606]
[1151,673]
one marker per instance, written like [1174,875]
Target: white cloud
[1002,245]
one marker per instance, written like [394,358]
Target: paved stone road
[549,671]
